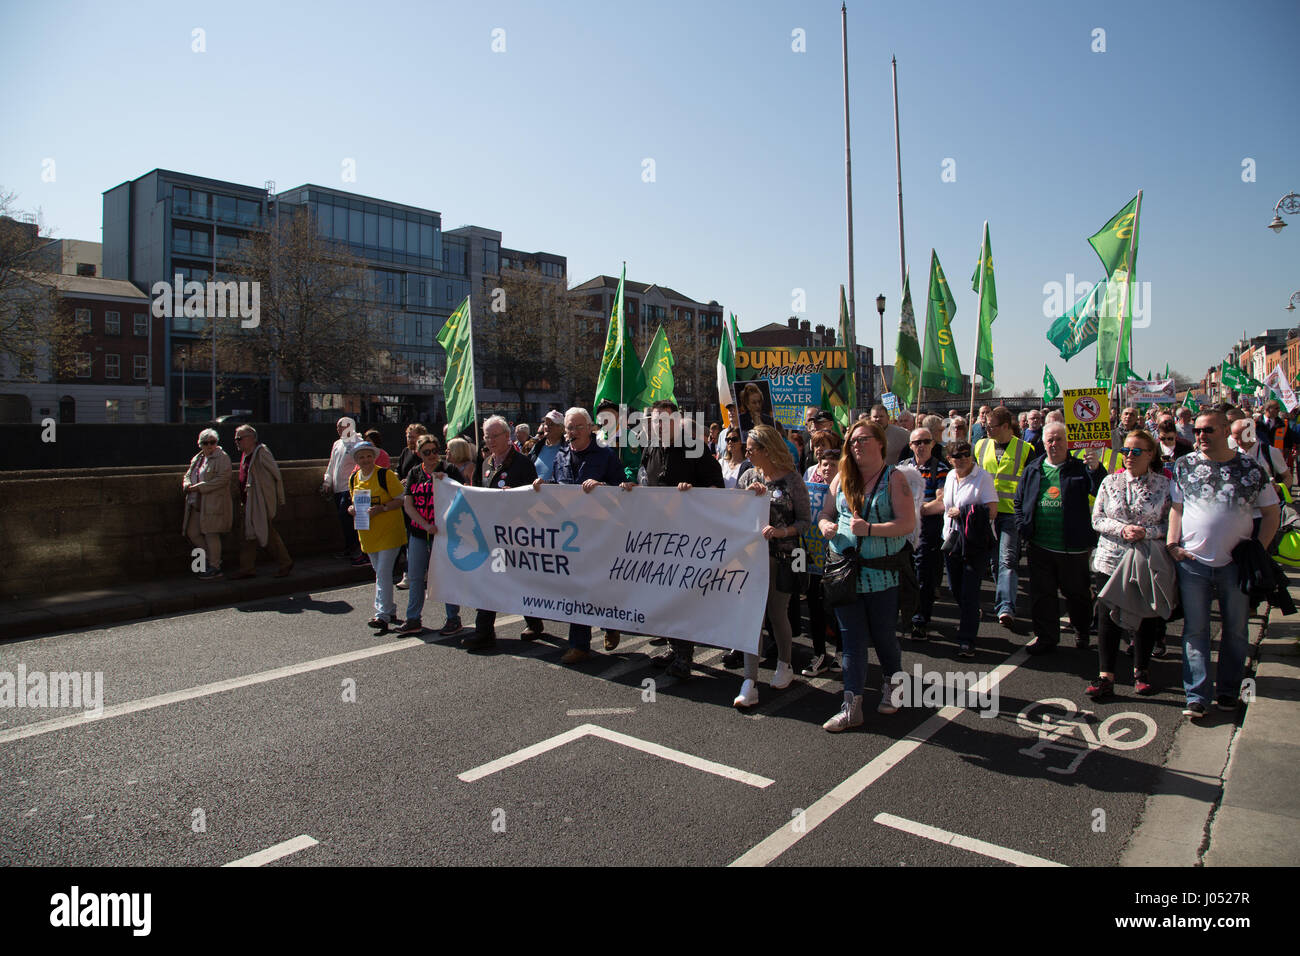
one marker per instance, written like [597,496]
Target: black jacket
[1077,483]
[573,467]
[515,471]
[669,467]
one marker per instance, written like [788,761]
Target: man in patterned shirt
[1214,493]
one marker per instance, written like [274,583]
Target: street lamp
[183,356]
[880,360]
[1289,204]
[1295,297]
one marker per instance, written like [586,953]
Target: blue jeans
[1195,581]
[417,569]
[1008,573]
[964,575]
[872,617]
[383,562]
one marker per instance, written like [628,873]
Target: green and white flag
[1234,378]
[726,377]
[1051,391]
[1190,403]
[939,365]
[620,381]
[457,339]
[907,355]
[658,372]
[988,291]
[843,412]
[1077,329]
[1116,245]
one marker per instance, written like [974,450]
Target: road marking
[599,711]
[962,842]
[273,853]
[204,690]
[645,746]
[776,843]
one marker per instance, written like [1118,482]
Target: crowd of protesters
[1182,508]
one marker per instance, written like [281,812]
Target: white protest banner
[685,564]
[1278,383]
[1156,391]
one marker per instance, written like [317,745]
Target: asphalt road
[215,775]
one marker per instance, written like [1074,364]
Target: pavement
[226,709]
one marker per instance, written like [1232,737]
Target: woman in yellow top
[386,534]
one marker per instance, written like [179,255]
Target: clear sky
[546,140]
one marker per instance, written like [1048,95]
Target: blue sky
[546,141]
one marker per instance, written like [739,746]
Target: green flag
[843,412]
[1191,403]
[1051,391]
[939,367]
[1077,329]
[456,338]
[907,355]
[1234,378]
[1167,375]
[620,378]
[1116,244]
[738,343]
[988,291]
[657,369]
[726,378]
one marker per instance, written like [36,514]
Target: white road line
[273,853]
[645,746]
[599,711]
[963,842]
[204,690]
[787,836]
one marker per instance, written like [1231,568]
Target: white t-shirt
[1219,502]
[731,472]
[977,488]
[1275,459]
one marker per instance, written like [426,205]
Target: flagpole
[852,344]
[1124,305]
[898,166]
[469,316]
[979,324]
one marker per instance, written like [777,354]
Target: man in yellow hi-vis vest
[1004,456]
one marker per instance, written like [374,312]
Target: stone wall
[117,525]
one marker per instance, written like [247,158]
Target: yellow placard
[1087,417]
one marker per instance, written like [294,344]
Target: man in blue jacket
[584,461]
[1054,516]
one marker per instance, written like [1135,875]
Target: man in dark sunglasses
[1214,494]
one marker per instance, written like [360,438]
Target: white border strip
[273,853]
[962,842]
[645,746]
[204,690]
[776,843]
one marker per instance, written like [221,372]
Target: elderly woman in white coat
[208,509]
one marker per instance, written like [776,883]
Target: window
[385,232]
[372,229]
[110,411]
[491,249]
[112,366]
[141,325]
[227,208]
[249,212]
[413,238]
[83,365]
[86,269]
[141,367]
[83,321]
[112,323]
[356,227]
[141,410]
[325,220]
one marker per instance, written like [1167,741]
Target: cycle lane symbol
[1118,731]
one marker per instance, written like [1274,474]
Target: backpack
[380,472]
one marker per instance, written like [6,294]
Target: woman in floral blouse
[1132,504]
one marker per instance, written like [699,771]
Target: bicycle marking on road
[273,853]
[971,844]
[1051,730]
[635,743]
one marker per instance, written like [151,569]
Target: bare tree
[525,338]
[318,326]
[37,333]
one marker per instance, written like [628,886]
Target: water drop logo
[466,546]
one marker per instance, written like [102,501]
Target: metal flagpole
[469,319]
[979,324]
[848,182]
[898,165]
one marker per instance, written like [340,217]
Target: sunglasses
[1205,431]
[428,451]
[959,455]
[1133,452]
[923,441]
[208,441]
[733,441]
[861,440]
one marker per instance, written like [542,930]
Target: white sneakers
[887,705]
[783,676]
[748,696]
[850,714]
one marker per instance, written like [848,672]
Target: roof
[87,285]
[640,288]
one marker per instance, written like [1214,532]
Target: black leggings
[1109,633]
